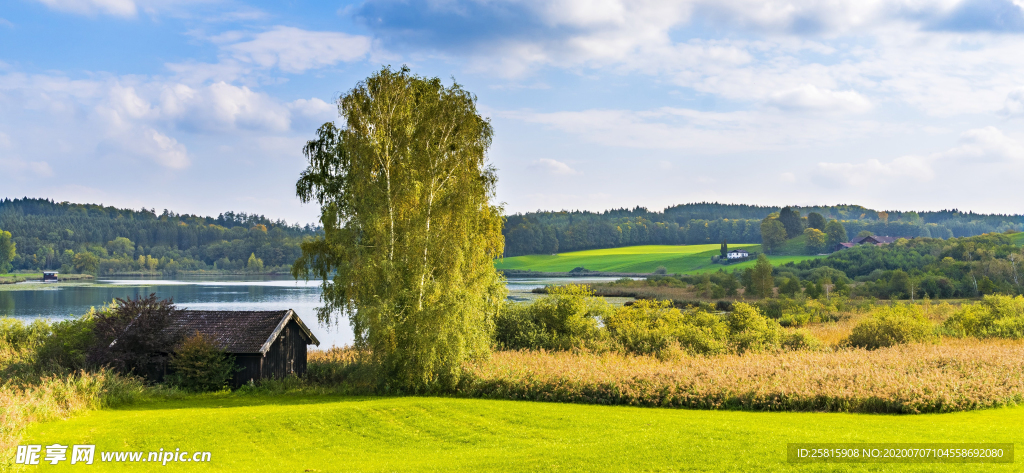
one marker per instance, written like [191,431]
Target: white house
[737,254]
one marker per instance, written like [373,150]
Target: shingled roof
[238,331]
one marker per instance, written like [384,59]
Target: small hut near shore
[265,344]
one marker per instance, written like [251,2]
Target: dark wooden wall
[287,355]
[248,367]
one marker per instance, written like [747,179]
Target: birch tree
[410,231]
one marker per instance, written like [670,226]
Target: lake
[29,301]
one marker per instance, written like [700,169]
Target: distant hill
[49,235]
[545,232]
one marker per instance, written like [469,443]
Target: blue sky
[202,106]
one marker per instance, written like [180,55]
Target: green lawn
[325,433]
[687,259]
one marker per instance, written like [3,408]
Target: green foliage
[773,234]
[86,262]
[791,287]
[893,325]
[410,233]
[995,316]
[801,340]
[817,241]
[199,366]
[121,246]
[927,266]
[749,330]
[836,233]
[763,282]
[8,250]
[254,264]
[49,235]
[129,334]
[44,348]
[791,221]
[650,327]
[567,318]
[702,223]
[816,221]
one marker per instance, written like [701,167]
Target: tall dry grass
[954,376]
[57,397]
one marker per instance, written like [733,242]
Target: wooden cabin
[50,276]
[265,344]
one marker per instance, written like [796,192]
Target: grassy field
[327,433]
[684,259]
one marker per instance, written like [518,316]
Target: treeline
[959,267]
[97,239]
[702,223]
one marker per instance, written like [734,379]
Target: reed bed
[957,375]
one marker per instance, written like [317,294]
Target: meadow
[682,259]
[307,432]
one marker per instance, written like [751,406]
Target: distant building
[50,276]
[867,240]
[265,344]
[873,240]
[737,254]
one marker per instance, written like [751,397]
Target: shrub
[893,325]
[801,340]
[751,331]
[200,366]
[65,348]
[566,318]
[994,316]
[129,334]
[650,327]
[42,348]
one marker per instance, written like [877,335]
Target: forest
[702,223]
[86,238]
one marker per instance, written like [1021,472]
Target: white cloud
[222,106]
[19,168]
[941,57]
[670,128]
[314,108]
[137,119]
[554,167]
[978,146]
[7,23]
[985,145]
[295,50]
[1014,105]
[873,170]
[807,97]
[165,150]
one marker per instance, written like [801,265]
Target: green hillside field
[683,259]
[304,432]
